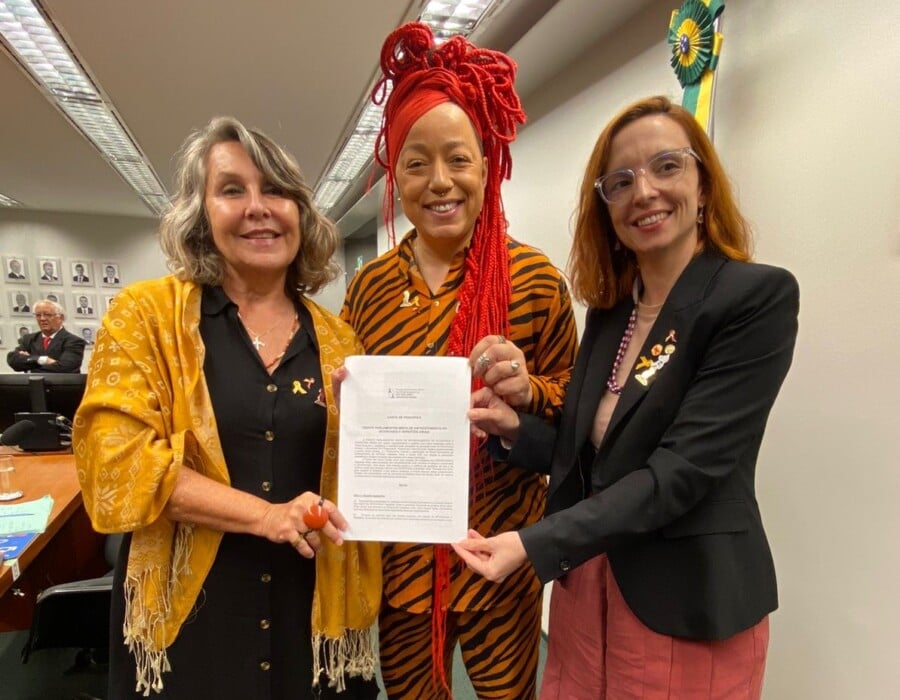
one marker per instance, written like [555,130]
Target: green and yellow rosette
[696,46]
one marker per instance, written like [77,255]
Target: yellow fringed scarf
[145,415]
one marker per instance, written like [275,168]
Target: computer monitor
[38,393]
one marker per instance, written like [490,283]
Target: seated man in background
[52,348]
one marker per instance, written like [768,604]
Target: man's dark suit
[15,276]
[66,348]
[671,495]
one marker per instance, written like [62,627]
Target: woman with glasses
[663,575]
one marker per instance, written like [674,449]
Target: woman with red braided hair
[457,284]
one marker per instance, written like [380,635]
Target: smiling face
[254,226]
[658,222]
[440,174]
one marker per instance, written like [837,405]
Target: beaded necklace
[611,383]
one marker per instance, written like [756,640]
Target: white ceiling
[297,69]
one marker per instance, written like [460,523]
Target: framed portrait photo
[84,306]
[19,303]
[15,269]
[55,295]
[81,273]
[87,332]
[48,270]
[19,331]
[107,301]
[110,275]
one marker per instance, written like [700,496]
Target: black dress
[249,633]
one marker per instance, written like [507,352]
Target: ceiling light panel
[41,51]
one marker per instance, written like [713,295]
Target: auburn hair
[602,273]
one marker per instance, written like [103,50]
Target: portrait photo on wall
[55,295]
[84,306]
[107,300]
[111,276]
[87,333]
[15,269]
[19,303]
[82,273]
[48,270]
[19,331]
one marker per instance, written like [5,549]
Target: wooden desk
[68,550]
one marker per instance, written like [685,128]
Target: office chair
[76,615]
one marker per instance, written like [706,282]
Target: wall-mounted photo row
[84,306]
[19,302]
[111,276]
[48,270]
[87,332]
[15,269]
[82,273]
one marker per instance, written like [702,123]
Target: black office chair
[76,615]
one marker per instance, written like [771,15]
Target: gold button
[264,665]
[267,486]
[265,578]
[437,303]
[270,435]
[271,388]
[264,624]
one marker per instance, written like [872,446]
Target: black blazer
[669,495]
[66,348]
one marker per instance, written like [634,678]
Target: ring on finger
[484,360]
[515,366]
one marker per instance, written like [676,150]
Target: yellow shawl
[145,415]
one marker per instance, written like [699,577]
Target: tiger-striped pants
[499,649]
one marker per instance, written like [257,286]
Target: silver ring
[484,360]
[515,366]
[500,339]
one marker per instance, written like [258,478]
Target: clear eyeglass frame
[616,187]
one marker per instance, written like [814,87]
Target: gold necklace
[257,337]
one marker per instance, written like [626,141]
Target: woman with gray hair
[208,434]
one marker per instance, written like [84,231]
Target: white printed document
[403,461]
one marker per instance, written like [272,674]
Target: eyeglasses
[665,168]
[40,315]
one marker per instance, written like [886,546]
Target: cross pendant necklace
[257,337]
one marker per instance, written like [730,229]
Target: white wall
[130,241]
[807,119]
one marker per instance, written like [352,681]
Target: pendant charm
[257,343]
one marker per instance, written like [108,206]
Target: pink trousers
[599,650]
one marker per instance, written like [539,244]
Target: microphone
[17,432]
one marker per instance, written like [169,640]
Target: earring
[617,246]
[700,215]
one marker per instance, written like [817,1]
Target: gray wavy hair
[57,308]
[185,235]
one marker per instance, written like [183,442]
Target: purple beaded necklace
[623,346]
[611,383]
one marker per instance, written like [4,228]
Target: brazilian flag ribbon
[696,46]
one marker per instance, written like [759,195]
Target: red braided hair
[418,75]
[480,82]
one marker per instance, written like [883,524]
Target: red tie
[46,340]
